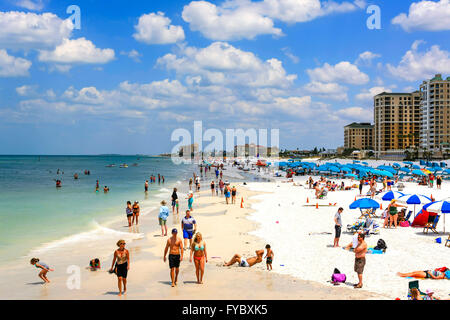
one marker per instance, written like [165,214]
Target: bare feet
[173,284]
[357,286]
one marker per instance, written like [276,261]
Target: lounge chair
[447,243]
[412,285]
[431,225]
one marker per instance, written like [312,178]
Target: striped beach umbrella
[442,207]
[414,199]
[388,196]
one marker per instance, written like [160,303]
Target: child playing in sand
[94,264]
[269,257]
[45,268]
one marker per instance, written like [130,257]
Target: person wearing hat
[136,211]
[175,245]
[429,295]
[162,218]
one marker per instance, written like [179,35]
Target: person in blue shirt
[163,215]
[189,227]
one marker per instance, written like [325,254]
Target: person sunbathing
[427,274]
[246,263]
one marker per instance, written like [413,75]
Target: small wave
[100,233]
[164,190]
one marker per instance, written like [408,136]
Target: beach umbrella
[418,173]
[385,173]
[416,167]
[396,165]
[447,171]
[408,162]
[388,196]
[404,169]
[365,163]
[414,199]
[365,203]
[442,207]
[350,175]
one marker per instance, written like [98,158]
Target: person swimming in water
[44,269]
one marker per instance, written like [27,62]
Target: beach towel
[374,251]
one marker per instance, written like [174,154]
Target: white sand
[311,257]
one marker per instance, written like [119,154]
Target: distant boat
[110,165]
[124,165]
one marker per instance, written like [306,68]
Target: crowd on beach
[192,240]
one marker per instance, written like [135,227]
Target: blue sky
[137,70]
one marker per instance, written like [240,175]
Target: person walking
[121,265]
[136,211]
[337,227]
[360,259]
[174,200]
[189,227]
[162,217]
[175,245]
[198,251]
[129,212]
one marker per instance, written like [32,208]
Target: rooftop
[363,125]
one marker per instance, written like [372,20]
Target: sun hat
[429,291]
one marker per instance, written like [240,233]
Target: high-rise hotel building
[435,116]
[397,123]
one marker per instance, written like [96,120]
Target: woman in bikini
[198,250]
[427,274]
[121,265]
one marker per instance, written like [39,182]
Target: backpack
[381,245]
[338,277]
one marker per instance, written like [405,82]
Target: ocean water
[36,216]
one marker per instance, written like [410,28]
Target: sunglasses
[122,244]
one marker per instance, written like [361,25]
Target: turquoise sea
[35,214]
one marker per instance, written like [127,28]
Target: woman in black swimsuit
[121,265]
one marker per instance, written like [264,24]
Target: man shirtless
[360,259]
[175,255]
[247,263]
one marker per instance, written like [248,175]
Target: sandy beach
[226,229]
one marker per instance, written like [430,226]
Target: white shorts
[244,263]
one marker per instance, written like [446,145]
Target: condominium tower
[358,136]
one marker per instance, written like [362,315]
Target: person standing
[190,200]
[190,184]
[337,227]
[361,184]
[136,211]
[360,259]
[233,195]
[212,188]
[174,200]
[97,186]
[146,186]
[221,185]
[121,265]
[189,227]
[431,180]
[175,245]
[163,215]
[393,212]
[129,212]
[438,182]
[198,251]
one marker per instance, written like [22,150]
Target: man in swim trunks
[360,259]
[189,227]
[146,186]
[246,263]
[175,255]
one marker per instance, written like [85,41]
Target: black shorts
[174,261]
[338,231]
[269,260]
[122,270]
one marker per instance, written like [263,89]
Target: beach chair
[408,215]
[412,285]
[447,243]
[431,225]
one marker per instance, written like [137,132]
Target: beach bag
[404,224]
[381,245]
[338,278]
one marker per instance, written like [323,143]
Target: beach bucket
[438,240]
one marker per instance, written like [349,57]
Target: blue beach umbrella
[416,167]
[414,199]
[404,169]
[388,196]
[365,203]
[418,173]
[350,175]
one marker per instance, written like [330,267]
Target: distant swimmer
[246,263]
[97,186]
[75,176]
[106,189]
[163,179]
[58,184]
[146,186]
[44,269]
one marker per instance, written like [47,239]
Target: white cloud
[77,51]
[367,57]
[287,52]
[25,90]
[221,63]
[20,30]
[416,65]
[331,91]
[133,54]
[13,67]
[245,19]
[218,23]
[368,94]
[344,72]
[156,29]
[36,5]
[425,15]
[355,114]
